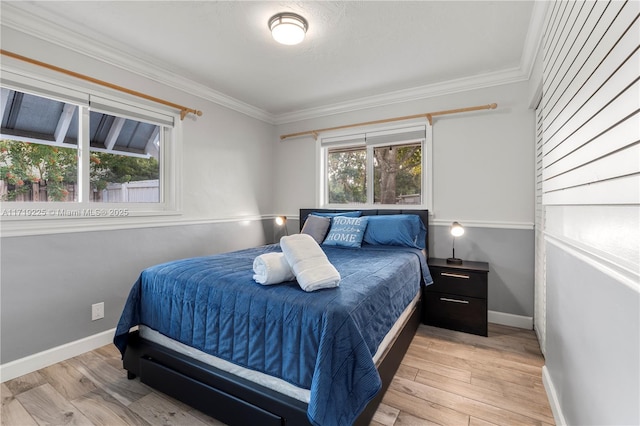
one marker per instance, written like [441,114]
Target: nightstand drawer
[456,312]
[464,283]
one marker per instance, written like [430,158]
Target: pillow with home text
[346,231]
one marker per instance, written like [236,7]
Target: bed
[277,355]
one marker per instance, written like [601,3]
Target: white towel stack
[309,263]
[272,268]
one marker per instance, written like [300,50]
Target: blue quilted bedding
[322,341]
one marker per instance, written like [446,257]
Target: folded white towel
[272,268]
[309,263]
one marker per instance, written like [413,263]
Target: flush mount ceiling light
[288,28]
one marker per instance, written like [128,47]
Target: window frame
[32,218]
[358,138]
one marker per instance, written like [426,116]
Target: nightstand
[457,299]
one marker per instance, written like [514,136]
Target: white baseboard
[34,362]
[552,395]
[511,320]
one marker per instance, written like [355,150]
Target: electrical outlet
[97,311]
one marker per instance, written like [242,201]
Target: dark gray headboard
[424,215]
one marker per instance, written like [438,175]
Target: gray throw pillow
[317,227]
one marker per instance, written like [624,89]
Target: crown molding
[513,75]
[533,42]
[35,23]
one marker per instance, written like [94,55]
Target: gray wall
[509,253]
[483,162]
[49,282]
[483,177]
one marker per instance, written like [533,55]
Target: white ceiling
[353,51]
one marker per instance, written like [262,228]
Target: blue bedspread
[323,341]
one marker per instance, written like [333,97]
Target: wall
[49,282]
[482,177]
[591,200]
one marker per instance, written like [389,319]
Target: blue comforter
[323,341]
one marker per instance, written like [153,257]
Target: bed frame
[234,400]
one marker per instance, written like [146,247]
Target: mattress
[262,379]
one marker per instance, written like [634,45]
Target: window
[67,153]
[379,167]
[124,166]
[36,161]
[346,175]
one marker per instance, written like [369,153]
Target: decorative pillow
[317,227]
[346,231]
[356,213]
[396,230]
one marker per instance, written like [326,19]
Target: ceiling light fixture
[288,28]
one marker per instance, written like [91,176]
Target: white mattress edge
[263,379]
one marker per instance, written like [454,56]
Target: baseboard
[552,395]
[511,320]
[34,362]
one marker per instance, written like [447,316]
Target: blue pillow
[396,230]
[348,214]
[346,231]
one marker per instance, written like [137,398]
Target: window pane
[346,175]
[124,165]
[398,174]
[36,172]
[38,156]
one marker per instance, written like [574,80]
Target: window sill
[61,221]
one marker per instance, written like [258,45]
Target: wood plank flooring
[446,378]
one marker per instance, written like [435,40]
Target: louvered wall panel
[560,73]
[603,112]
[591,134]
[582,85]
[619,136]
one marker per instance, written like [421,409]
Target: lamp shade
[456,229]
[282,222]
[288,28]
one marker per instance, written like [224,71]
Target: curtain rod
[183,110]
[428,115]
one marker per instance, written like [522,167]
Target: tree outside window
[37,172]
[397,174]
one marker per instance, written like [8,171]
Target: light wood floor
[446,378]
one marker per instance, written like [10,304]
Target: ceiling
[355,52]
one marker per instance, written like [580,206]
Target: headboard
[424,215]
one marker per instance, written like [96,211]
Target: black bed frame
[237,401]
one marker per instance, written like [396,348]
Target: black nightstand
[457,299]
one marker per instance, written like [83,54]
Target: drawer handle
[446,299]
[447,274]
